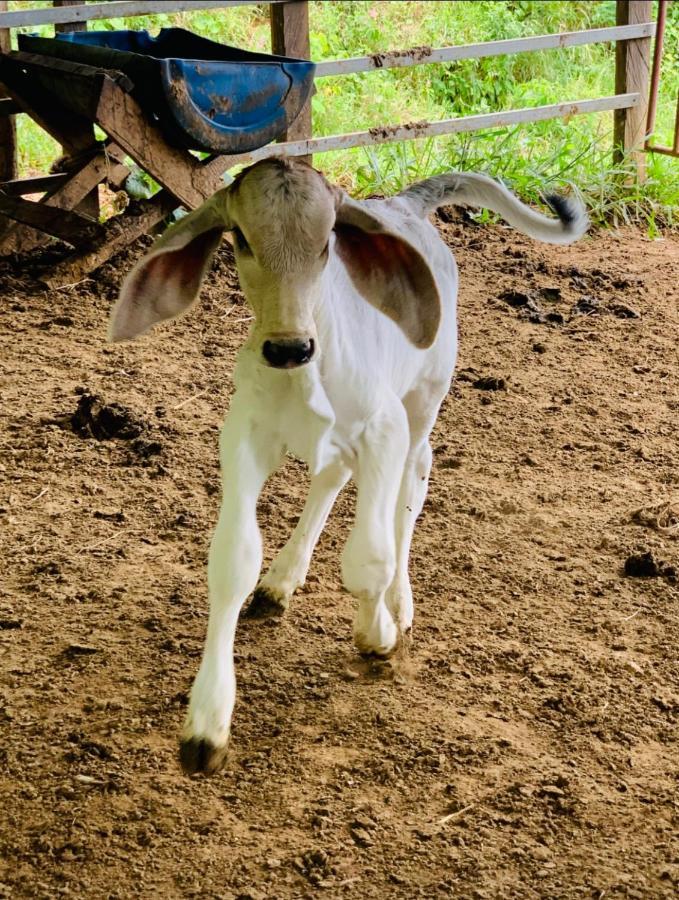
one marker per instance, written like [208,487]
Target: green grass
[530,158]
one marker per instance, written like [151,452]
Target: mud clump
[645,565]
[94,418]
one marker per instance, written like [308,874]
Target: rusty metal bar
[655,88]
[423,55]
[655,71]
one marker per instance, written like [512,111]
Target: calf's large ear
[167,280]
[388,271]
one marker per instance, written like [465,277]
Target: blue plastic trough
[203,95]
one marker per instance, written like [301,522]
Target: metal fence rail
[290,35]
[414,130]
[21,18]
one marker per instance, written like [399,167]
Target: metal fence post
[632,63]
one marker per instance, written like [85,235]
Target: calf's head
[283,216]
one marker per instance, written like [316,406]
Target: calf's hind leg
[289,569]
[422,408]
[369,558]
[410,502]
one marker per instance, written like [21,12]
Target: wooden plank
[114,10]
[89,206]
[69,195]
[415,130]
[74,85]
[176,170]
[60,223]
[118,233]
[423,55]
[22,186]
[632,64]
[8,135]
[70,130]
[290,37]
[9,107]
[67,27]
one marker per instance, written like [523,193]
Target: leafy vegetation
[530,157]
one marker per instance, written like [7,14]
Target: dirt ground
[527,747]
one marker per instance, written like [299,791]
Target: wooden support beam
[89,205]
[69,195]
[8,135]
[117,233]
[60,223]
[41,184]
[290,37]
[68,128]
[632,64]
[176,170]
[9,107]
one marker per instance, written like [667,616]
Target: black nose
[288,354]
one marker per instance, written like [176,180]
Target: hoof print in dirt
[529,308]
[490,383]
[517,299]
[586,306]
[78,651]
[201,757]
[645,565]
[145,448]
[622,311]
[265,605]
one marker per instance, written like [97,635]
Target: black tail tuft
[565,209]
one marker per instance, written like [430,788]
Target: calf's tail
[474,189]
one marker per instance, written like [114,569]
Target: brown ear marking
[163,285]
[394,277]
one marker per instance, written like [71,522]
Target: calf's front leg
[248,455]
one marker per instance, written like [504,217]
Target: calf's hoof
[265,604]
[198,755]
[380,642]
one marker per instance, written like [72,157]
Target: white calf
[350,356]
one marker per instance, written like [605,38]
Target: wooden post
[632,62]
[8,134]
[290,37]
[65,27]
[90,204]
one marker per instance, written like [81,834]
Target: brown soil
[526,744]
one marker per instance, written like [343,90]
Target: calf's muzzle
[288,353]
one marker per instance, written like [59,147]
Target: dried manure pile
[525,744]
